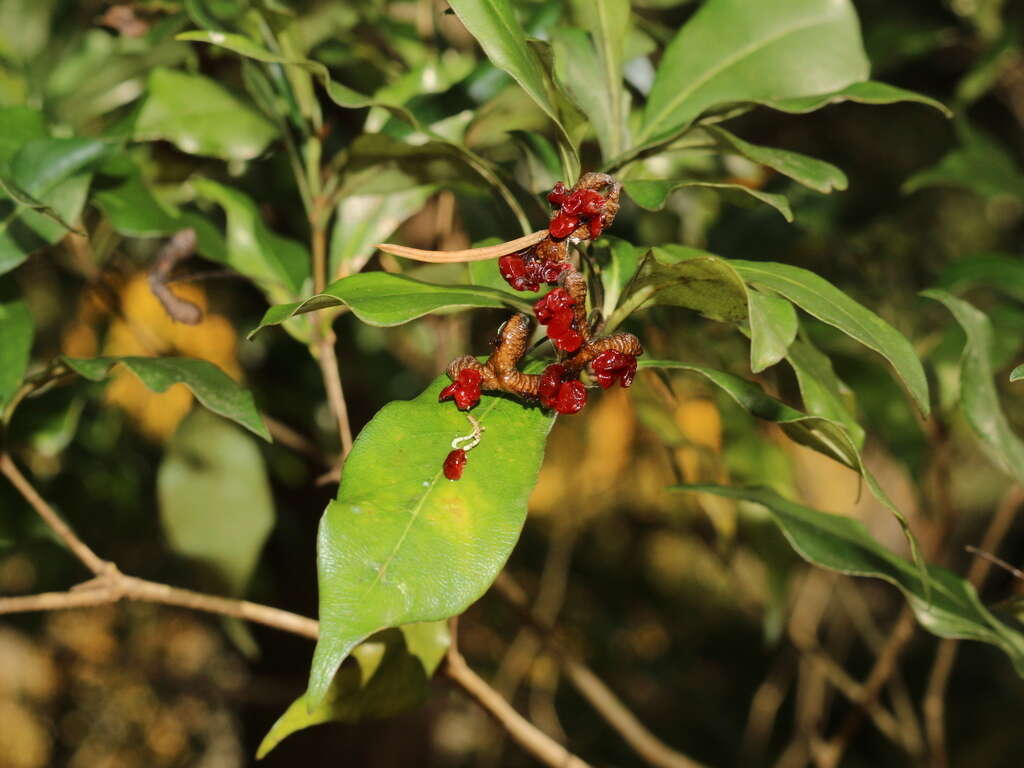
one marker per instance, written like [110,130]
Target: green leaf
[980,165]
[402,544]
[822,392]
[392,676]
[653,193]
[820,298]
[384,299]
[200,117]
[945,604]
[16,331]
[1017,373]
[816,174]
[495,26]
[823,435]
[867,92]
[279,265]
[978,395]
[992,270]
[367,219]
[211,386]
[21,125]
[216,506]
[777,321]
[733,51]
[617,271]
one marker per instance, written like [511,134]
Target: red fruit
[518,273]
[550,271]
[550,380]
[596,227]
[563,225]
[558,194]
[465,390]
[585,202]
[572,396]
[611,365]
[569,341]
[454,463]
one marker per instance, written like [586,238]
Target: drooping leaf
[211,386]
[200,117]
[22,199]
[617,272]
[733,51]
[818,297]
[777,320]
[979,397]
[366,219]
[16,331]
[495,26]
[392,676]
[945,604]
[216,506]
[402,544]
[867,92]
[822,391]
[384,299]
[809,171]
[991,270]
[278,264]
[652,193]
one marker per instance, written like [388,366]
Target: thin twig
[934,701]
[295,441]
[648,746]
[180,247]
[329,368]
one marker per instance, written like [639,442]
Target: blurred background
[701,619]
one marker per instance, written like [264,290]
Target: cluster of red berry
[585,212]
[577,206]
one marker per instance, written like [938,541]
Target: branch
[934,701]
[648,746]
[328,362]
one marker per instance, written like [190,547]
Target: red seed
[454,464]
[563,225]
[612,365]
[465,390]
[572,396]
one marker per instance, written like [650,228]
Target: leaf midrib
[739,55]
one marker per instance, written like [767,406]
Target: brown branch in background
[329,369]
[110,586]
[934,701]
[294,441]
[648,746]
[180,247]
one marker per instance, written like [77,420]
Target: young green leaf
[818,297]
[278,264]
[384,299]
[200,117]
[495,26]
[811,172]
[732,51]
[216,506]
[390,675]
[653,193]
[402,544]
[978,395]
[211,386]
[16,331]
[777,321]
[945,604]
[866,92]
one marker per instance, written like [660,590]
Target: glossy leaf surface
[211,386]
[777,322]
[811,172]
[384,299]
[653,193]
[403,544]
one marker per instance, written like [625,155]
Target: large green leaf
[211,386]
[777,320]
[736,51]
[821,390]
[979,397]
[402,544]
[21,125]
[809,171]
[16,330]
[945,604]
[495,26]
[390,675]
[364,220]
[653,193]
[384,299]
[278,264]
[818,297]
[200,117]
[216,506]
